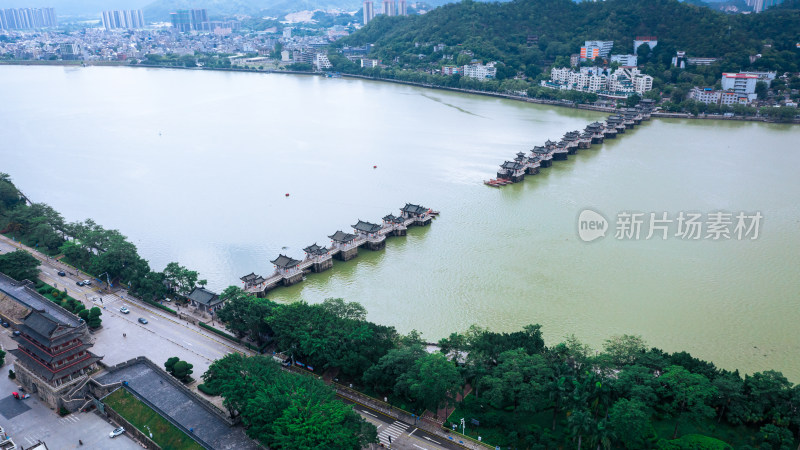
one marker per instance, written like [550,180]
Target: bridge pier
[346,255]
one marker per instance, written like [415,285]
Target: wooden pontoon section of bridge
[344,247]
[595,133]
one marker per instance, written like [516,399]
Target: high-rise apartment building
[27,18]
[198,16]
[125,19]
[188,19]
[369,11]
[402,8]
[388,7]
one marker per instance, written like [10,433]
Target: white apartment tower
[369,11]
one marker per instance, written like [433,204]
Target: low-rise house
[205,300]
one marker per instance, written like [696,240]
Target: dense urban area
[231,369]
[753,73]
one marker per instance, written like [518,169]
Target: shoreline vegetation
[510,387]
[539,101]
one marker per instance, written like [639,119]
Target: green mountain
[533,33]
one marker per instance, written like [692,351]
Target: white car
[124,310]
[87,282]
[116,432]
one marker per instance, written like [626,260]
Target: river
[194,166]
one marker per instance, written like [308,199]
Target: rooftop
[285,262]
[341,236]
[203,296]
[316,250]
[366,227]
[23,293]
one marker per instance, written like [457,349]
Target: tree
[519,379]
[630,419]
[3,358]
[432,382]
[761,89]
[181,370]
[580,423]
[686,393]
[180,279]
[170,364]
[20,265]
[625,349]
[283,410]
[632,100]
[384,375]
[93,320]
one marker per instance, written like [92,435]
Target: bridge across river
[344,247]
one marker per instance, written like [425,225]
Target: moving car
[124,310]
[142,320]
[87,282]
[5,324]
[79,283]
[61,273]
[116,432]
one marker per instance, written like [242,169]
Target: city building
[27,18]
[70,51]
[623,82]
[594,49]
[402,8]
[625,60]
[369,11]
[679,60]
[322,62]
[185,20]
[761,5]
[766,77]
[52,354]
[651,41]
[287,33]
[701,61]
[198,16]
[574,59]
[370,63]
[480,72]
[712,97]
[741,83]
[451,70]
[181,20]
[123,19]
[389,8]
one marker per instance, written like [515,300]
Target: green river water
[194,166]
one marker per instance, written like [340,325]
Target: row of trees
[87,245]
[286,411]
[621,396]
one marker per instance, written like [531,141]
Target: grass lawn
[142,417]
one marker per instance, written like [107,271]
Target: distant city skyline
[27,18]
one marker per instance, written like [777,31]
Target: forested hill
[500,31]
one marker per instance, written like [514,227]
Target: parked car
[124,310]
[16,333]
[142,320]
[116,432]
[5,324]
[61,273]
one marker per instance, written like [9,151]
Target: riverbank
[558,103]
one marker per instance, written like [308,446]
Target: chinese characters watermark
[715,226]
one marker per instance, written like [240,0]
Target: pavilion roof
[285,262]
[341,236]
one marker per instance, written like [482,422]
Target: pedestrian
[124,335]
[80,442]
